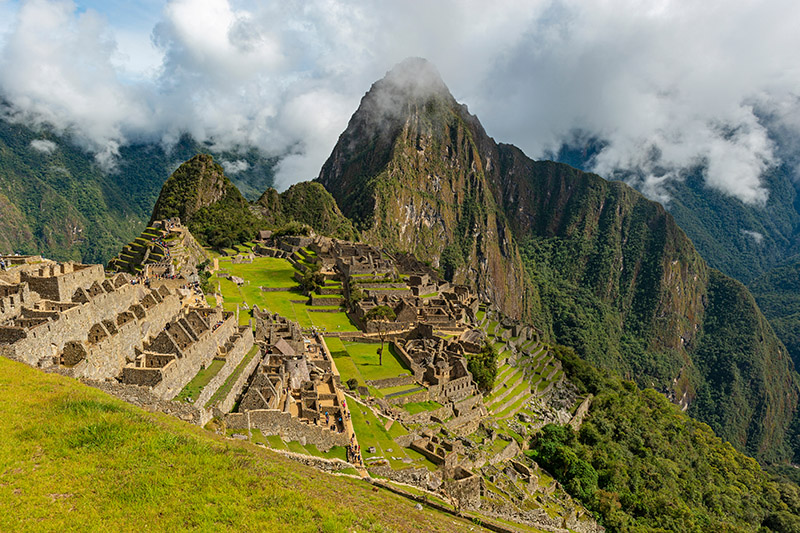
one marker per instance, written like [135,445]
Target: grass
[198,383]
[75,459]
[365,358]
[228,385]
[419,407]
[370,431]
[274,273]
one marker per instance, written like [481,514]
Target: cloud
[665,87]
[44,146]
[234,167]
[756,236]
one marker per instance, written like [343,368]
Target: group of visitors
[354,451]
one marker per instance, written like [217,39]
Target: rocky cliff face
[602,268]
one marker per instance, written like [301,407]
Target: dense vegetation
[742,240]
[206,201]
[640,464]
[57,201]
[778,296]
[741,368]
[306,203]
[483,367]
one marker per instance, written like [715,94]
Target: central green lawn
[365,358]
[273,273]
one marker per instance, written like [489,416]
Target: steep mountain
[309,203]
[207,202]
[592,263]
[56,200]
[409,172]
[742,240]
[778,295]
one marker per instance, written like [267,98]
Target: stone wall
[509,452]
[143,397]
[47,339]
[62,280]
[580,413]
[274,422]
[199,354]
[391,382]
[240,348]
[420,396]
[106,358]
[409,362]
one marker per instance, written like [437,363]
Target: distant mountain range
[57,201]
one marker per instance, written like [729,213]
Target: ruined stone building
[293,392]
[73,317]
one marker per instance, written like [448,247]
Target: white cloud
[756,236]
[44,146]
[668,86]
[234,167]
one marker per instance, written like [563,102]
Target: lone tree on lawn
[381,315]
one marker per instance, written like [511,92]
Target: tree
[381,316]
[483,367]
[354,294]
[312,278]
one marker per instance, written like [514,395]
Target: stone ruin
[76,319]
[293,392]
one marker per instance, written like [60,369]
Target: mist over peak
[416,77]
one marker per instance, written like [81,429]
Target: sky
[666,87]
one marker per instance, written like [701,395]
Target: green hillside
[57,201]
[778,295]
[643,465]
[73,458]
[208,203]
[309,203]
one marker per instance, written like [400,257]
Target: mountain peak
[416,77]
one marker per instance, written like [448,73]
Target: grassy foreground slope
[74,458]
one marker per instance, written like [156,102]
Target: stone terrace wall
[106,358]
[232,360]
[48,339]
[143,397]
[226,404]
[274,422]
[177,374]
